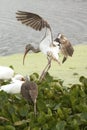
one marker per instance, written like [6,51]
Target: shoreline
[36,62]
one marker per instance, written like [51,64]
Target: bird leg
[35,108]
[46,69]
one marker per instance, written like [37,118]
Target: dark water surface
[65,16]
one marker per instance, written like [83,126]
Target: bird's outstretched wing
[65,46]
[32,20]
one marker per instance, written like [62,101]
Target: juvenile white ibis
[47,45]
[65,46]
[29,91]
[6,73]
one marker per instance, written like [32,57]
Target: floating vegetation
[58,108]
[75,74]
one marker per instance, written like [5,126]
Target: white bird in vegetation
[47,45]
[15,86]
[6,73]
[28,89]
[18,77]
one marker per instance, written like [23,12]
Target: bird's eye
[58,44]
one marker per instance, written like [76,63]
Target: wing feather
[32,20]
[65,46]
[69,49]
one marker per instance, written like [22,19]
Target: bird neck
[35,50]
[49,33]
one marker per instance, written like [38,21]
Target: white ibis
[15,86]
[6,73]
[29,91]
[18,77]
[47,45]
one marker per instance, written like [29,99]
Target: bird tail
[64,59]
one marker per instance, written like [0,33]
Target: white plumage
[47,45]
[15,86]
[6,73]
[12,88]
[18,77]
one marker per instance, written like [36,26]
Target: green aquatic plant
[58,107]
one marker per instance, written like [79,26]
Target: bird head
[61,38]
[27,49]
[18,77]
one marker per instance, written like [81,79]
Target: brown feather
[64,59]
[66,46]
[29,90]
[32,20]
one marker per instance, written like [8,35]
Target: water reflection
[65,16]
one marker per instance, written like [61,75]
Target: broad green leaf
[24,111]
[49,112]
[18,123]
[2,128]
[9,127]
[84,116]
[58,107]
[61,125]
[60,113]
[36,128]
[42,118]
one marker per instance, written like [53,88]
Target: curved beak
[26,51]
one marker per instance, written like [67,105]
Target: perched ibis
[47,45]
[29,91]
[15,86]
[18,77]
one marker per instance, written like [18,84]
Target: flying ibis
[47,45]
